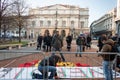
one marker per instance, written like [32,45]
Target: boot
[76,55]
[80,55]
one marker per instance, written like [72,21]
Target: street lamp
[56,22]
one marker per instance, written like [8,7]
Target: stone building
[108,24]
[118,17]
[104,25]
[64,18]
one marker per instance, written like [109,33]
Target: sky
[97,8]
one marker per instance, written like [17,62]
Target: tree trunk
[19,34]
[0,29]
[4,32]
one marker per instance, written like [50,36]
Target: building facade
[118,17]
[64,18]
[104,25]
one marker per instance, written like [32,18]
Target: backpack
[115,48]
[80,41]
[57,42]
[36,74]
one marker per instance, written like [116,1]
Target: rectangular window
[33,24]
[82,24]
[72,24]
[63,23]
[49,23]
[41,23]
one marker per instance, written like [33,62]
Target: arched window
[82,24]
[63,33]
[33,23]
[13,32]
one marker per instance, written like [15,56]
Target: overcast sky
[97,8]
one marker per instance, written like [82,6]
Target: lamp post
[56,22]
[73,32]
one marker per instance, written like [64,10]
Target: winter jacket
[80,41]
[57,42]
[107,47]
[48,40]
[69,39]
[50,61]
[39,39]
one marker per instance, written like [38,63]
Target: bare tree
[7,24]
[19,8]
[4,12]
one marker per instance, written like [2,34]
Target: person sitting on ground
[48,64]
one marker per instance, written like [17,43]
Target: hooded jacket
[50,61]
[107,47]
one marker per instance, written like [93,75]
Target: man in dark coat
[57,44]
[101,41]
[108,59]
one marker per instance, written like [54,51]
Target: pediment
[57,6]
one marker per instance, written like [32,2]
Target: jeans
[53,49]
[107,69]
[45,69]
[80,48]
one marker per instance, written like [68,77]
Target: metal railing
[14,65]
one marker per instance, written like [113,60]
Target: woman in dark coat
[88,42]
[69,40]
[39,41]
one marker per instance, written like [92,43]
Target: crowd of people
[50,43]
[55,43]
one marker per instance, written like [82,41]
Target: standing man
[80,44]
[57,44]
[101,41]
[108,59]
